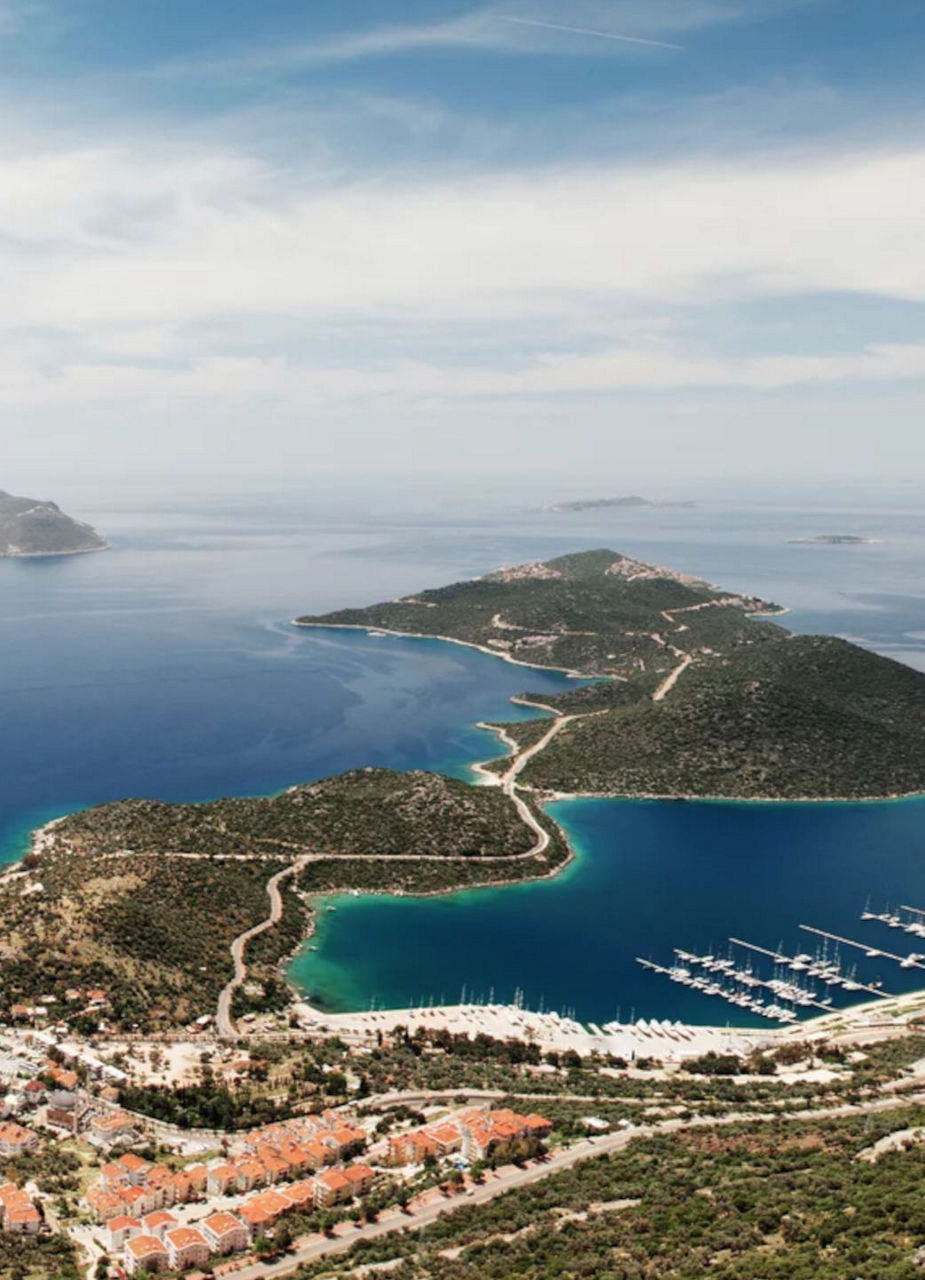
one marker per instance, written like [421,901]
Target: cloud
[615,27]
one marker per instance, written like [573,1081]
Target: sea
[168,667]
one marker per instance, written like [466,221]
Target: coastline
[52,555]
[467,644]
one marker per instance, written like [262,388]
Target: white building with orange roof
[332,1186]
[14,1139]
[221,1178]
[224,1233]
[111,1127]
[119,1230]
[17,1212]
[159,1223]
[138,1170]
[299,1195]
[137,1200]
[251,1174]
[186,1247]
[360,1177]
[104,1204]
[146,1253]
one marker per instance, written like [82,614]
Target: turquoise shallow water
[167,668]
[649,876]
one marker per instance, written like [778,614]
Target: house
[17,1212]
[332,1187]
[264,1210]
[137,1200]
[120,1230]
[161,1183]
[251,1173]
[114,1176]
[224,1233]
[538,1126]
[159,1223]
[138,1170]
[222,1178]
[14,1139]
[299,1195]
[111,1127]
[360,1177]
[104,1204]
[145,1253]
[411,1148]
[186,1247]
[447,1138]
[276,1167]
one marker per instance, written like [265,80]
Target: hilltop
[29,527]
[142,899]
[702,696]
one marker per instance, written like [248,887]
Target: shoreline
[467,644]
[52,555]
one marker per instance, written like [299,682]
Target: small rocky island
[631,502]
[29,527]
[834,540]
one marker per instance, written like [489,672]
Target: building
[14,1139]
[146,1253]
[360,1177]
[251,1173]
[63,1110]
[159,1223]
[264,1210]
[104,1204]
[224,1233]
[112,1127]
[186,1247]
[411,1148]
[18,1215]
[222,1178]
[332,1187]
[120,1230]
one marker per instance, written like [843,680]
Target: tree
[263,1247]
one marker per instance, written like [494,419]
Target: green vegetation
[784,1200]
[806,716]
[753,713]
[27,1258]
[142,899]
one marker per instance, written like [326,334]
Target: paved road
[504,1180]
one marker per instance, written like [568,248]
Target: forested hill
[142,900]
[29,527]
[597,612]
[702,697]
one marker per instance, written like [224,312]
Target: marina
[911,961]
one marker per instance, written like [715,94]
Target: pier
[907,962]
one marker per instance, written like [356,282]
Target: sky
[634,240]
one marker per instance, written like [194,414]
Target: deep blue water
[167,668]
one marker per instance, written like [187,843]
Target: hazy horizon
[669,241]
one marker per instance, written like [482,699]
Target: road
[418,1217]
[223,1019]
[509,784]
[672,678]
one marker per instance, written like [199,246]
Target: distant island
[29,527]
[605,504]
[835,540]
[696,694]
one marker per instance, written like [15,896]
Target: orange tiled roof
[145,1246]
[183,1237]
[161,1218]
[221,1223]
[120,1223]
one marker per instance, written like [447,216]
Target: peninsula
[697,694]
[29,527]
[145,901]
